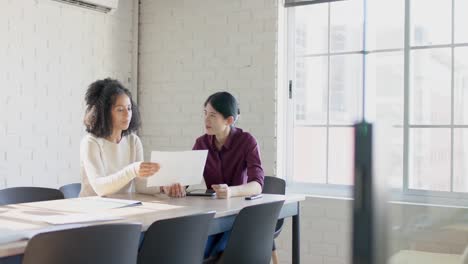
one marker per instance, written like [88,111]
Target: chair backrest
[28,194]
[103,244]
[176,240]
[274,185]
[251,237]
[71,190]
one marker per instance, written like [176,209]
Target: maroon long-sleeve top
[238,162]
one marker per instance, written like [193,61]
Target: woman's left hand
[223,191]
[174,190]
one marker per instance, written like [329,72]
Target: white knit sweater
[107,167]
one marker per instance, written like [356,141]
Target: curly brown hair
[100,97]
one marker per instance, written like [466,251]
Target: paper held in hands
[184,167]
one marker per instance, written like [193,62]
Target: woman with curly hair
[111,154]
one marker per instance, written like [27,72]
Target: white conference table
[153,208]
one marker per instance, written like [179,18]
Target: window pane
[309,155]
[384,88]
[388,158]
[461,86]
[431,22]
[384,107]
[311,29]
[429,159]
[385,24]
[461,20]
[310,93]
[340,156]
[345,89]
[346,22]
[460,156]
[430,86]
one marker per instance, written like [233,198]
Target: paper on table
[184,167]
[14,224]
[117,203]
[51,228]
[8,235]
[78,218]
[84,204]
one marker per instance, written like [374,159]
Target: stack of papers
[37,220]
[85,204]
[71,211]
[112,203]
[78,218]
[8,235]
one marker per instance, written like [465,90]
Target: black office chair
[103,244]
[16,195]
[252,235]
[71,190]
[176,240]
[274,185]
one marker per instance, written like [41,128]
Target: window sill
[344,192]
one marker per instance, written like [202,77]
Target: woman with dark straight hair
[233,166]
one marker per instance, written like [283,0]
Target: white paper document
[78,218]
[51,228]
[184,167]
[112,202]
[85,204]
[8,235]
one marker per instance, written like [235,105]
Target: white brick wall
[190,49]
[49,53]
[325,232]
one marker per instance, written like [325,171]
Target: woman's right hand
[147,169]
[174,190]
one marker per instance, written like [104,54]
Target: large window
[402,64]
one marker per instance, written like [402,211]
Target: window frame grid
[345,190]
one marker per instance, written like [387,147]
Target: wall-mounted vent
[104,6]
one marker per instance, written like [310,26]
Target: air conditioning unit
[104,6]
